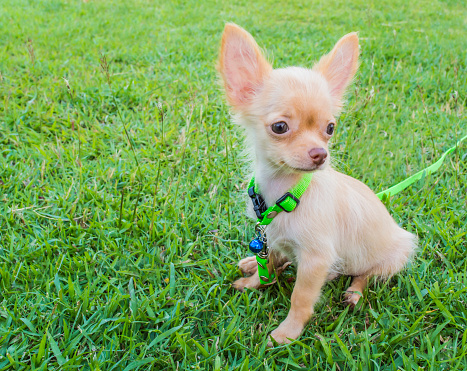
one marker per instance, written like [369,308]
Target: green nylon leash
[399,187]
[289,201]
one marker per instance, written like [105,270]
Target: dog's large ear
[339,67]
[241,65]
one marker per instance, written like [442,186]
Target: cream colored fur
[340,226]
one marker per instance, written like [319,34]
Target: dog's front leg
[311,275]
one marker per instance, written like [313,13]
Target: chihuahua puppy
[340,226]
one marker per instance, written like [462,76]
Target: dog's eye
[280,127]
[330,129]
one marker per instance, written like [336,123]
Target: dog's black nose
[318,155]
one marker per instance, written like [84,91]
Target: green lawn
[107,264]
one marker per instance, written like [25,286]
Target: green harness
[290,200]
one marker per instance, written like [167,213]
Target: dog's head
[290,112]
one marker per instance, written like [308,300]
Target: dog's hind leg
[355,290]
[249,266]
[251,282]
[395,259]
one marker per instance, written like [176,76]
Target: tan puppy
[340,226]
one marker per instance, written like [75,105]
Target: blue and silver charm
[259,246]
[260,242]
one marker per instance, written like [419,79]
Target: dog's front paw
[285,333]
[251,282]
[248,266]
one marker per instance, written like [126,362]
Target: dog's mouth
[308,169]
[283,165]
[304,170]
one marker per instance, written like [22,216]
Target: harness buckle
[288,202]
[259,205]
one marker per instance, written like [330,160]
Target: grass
[121,213]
